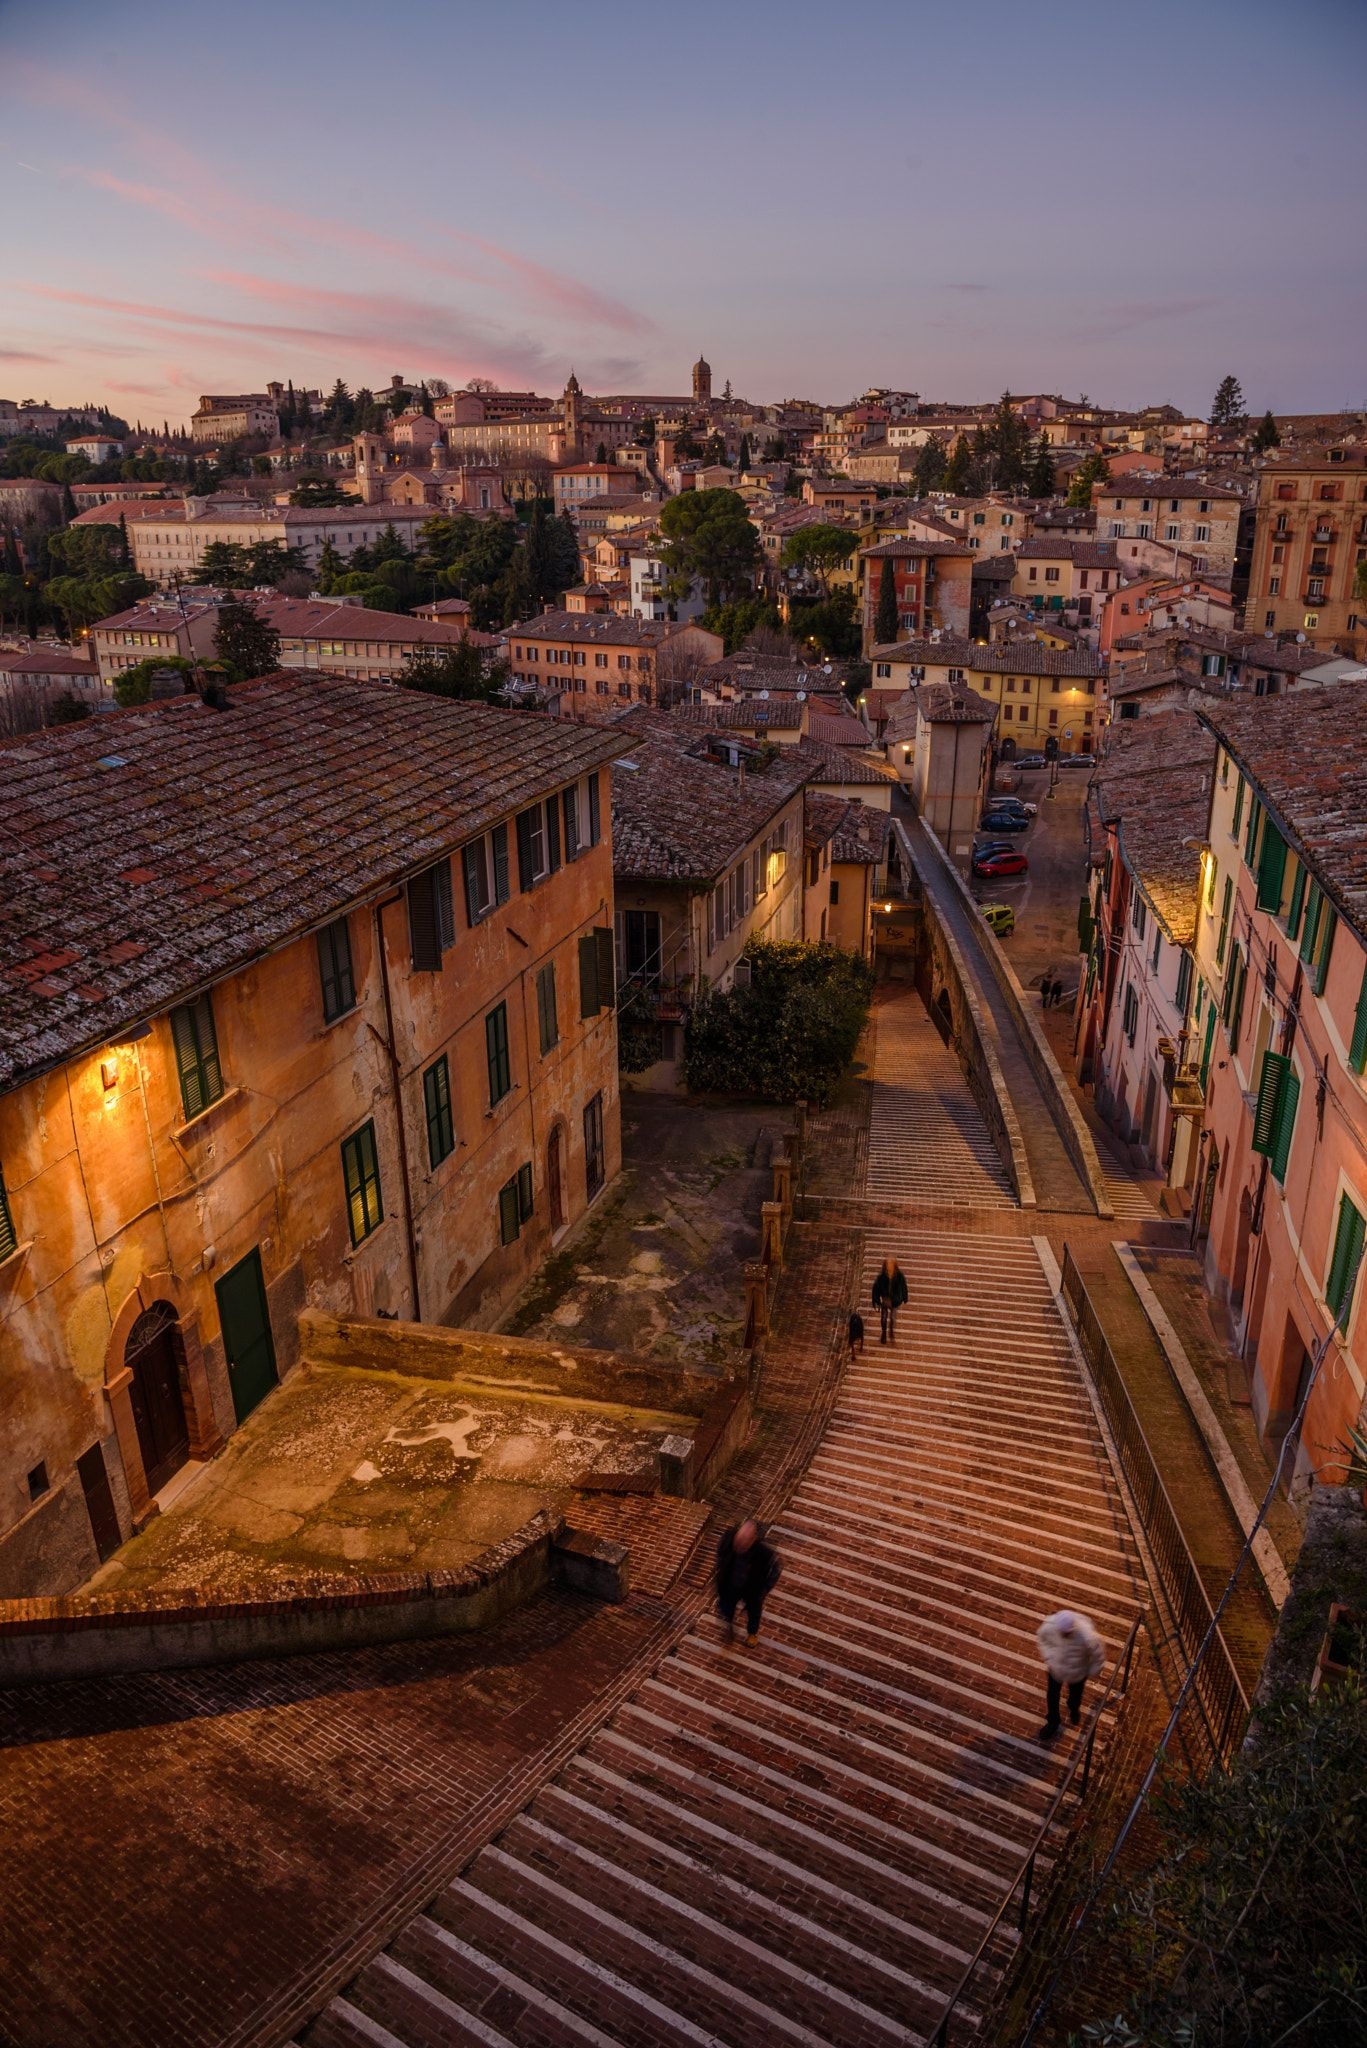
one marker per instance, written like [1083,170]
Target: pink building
[1281,1022]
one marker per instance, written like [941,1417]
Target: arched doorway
[555,1176]
[154,1357]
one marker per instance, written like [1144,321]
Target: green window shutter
[607,965]
[545,1008]
[361,1178]
[1297,903]
[569,805]
[1231,984]
[1349,1237]
[1223,940]
[1183,982]
[424,927]
[1275,1066]
[9,1237]
[196,1047]
[531,842]
[335,972]
[552,834]
[507,1212]
[1329,924]
[1238,806]
[1310,930]
[496,1053]
[524,1192]
[436,1097]
[589,1004]
[500,839]
[1286,1123]
[1271,868]
[1236,1008]
[1255,811]
[1357,1051]
[595,816]
[1209,1044]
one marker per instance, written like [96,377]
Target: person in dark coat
[889,1294]
[747,1571]
[856,1334]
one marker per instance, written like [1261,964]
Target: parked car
[1077,761]
[1012,803]
[1003,821]
[999,917]
[1028,761]
[993,846]
[993,865]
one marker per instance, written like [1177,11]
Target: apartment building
[1281,1015]
[168,542]
[305,1000]
[1310,539]
[932,584]
[600,663]
[1194,519]
[1040,693]
[1056,573]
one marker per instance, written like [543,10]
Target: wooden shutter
[196,1046]
[589,1005]
[528,834]
[552,834]
[1226,902]
[1287,1099]
[500,838]
[607,965]
[472,858]
[569,804]
[1271,868]
[1357,1051]
[1238,806]
[545,1007]
[1319,972]
[1255,811]
[443,904]
[9,1237]
[524,1192]
[595,816]
[1349,1237]
[1314,903]
[1297,903]
[424,935]
[1275,1065]
[507,1212]
[1236,1008]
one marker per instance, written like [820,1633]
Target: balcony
[1322,534]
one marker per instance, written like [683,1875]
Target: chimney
[165,682]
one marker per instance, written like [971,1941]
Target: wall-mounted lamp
[109,1074]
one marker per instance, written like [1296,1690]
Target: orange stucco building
[305,999]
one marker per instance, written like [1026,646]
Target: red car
[994,865]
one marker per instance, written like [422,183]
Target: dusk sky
[1126,202]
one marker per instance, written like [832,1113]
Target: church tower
[702,381]
[370,463]
[572,420]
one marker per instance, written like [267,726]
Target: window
[361,1177]
[1271,868]
[1139,916]
[835,890]
[334,970]
[1223,938]
[597,982]
[1317,936]
[1357,1050]
[436,1102]
[1183,982]
[595,816]
[9,1236]
[545,1008]
[197,1063]
[1172,533]
[509,1222]
[1157,953]
[496,1053]
[532,858]
[1233,1007]
[431,917]
[1131,1018]
[485,862]
[1341,1285]
[1202,533]
[1274,1121]
[595,1168]
[1051,575]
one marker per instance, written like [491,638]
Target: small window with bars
[436,1102]
[361,1178]
[196,1047]
[334,970]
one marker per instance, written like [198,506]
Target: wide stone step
[1052,1502]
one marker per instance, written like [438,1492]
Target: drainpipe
[391,1048]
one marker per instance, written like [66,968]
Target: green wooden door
[246,1326]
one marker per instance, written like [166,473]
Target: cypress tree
[1267,435]
[885,618]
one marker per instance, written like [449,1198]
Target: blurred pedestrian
[889,1294]
[747,1571]
[856,1334]
[1072,1652]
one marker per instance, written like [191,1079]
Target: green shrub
[792,1032]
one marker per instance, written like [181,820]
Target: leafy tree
[738,621]
[792,1032]
[246,643]
[124,554]
[318,491]
[820,548]
[832,623]
[959,469]
[929,473]
[463,670]
[1093,469]
[67,710]
[368,416]
[775,448]
[885,619]
[87,551]
[1042,482]
[11,562]
[134,685]
[792,485]
[709,536]
[1266,435]
[686,448]
[1227,412]
[646,432]
[716,448]
[429,411]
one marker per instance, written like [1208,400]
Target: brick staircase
[927,1139]
[805,1841]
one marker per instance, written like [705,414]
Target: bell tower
[702,381]
[370,467]
[572,420]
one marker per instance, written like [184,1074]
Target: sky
[1126,202]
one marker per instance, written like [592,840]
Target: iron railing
[1221,1696]
[1024,1880]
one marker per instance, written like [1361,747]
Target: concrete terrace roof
[1305,756]
[1154,786]
[147,853]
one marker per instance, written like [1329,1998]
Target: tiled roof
[1139,484]
[837,729]
[1154,784]
[781,711]
[954,704]
[115,509]
[841,764]
[680,816]
[856,832]
[1138,677]
[600,628]
[312,618]
[36,658]
[746,670]
[905,546]
[1009,658]
[1083,554]
[1303,751]
[147,853]
[156,613]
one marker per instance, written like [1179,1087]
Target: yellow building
[1041,693]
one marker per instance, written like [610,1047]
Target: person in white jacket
[1073,1652]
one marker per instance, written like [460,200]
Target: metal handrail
[1219,1690]
[1025,1876]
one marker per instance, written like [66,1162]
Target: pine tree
[1227,412]
[929,474]
[1042,481]
[68,505]
[329,568]
[245,642]
[11,561]
[123,554]
[600,453]
[1005,446]
[959,468]
[1266,435]
[1094,470]
[885,618]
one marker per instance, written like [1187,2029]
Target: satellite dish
[1300,639]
